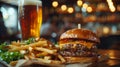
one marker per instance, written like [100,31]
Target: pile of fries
[41,50]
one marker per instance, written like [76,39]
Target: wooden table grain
[112,61]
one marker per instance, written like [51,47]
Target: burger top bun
[80,34]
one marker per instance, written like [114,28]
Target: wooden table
[112,61]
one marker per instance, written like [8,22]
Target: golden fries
[40,50]
[15,48]
[44,60]
[61,58]
[41,54]
[39,44]
[56,62]
[47,57]
[13,63]
[26,57]
[46,50]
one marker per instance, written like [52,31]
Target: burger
[79,45]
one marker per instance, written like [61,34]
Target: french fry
[26,57]
[44,60]
[61,58]
[39,44]
[41,54]
[31,57]
[46,50]
[30,49]
[18,43]
[47,57]
[23,51]
[15,43]
[19,48]
[12,46]
[56,62]
[32,54]
[13,63]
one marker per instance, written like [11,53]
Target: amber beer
[30,16]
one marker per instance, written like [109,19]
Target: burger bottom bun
[81,59]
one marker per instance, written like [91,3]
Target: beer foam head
[30,2]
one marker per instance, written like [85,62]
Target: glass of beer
[30,18]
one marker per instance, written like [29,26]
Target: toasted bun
[80,59]
[80,34]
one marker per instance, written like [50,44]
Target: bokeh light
[79,2]
[54,3]
[85,5]
[89,9]
[64,7]
[70,10]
